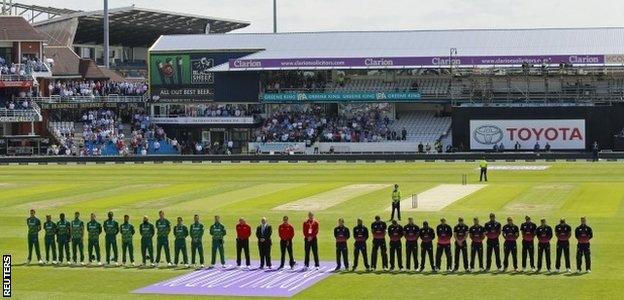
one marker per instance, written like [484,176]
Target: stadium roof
[16,28]
[133,26]
[276,48]
[66,62]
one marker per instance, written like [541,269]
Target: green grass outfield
[570,190]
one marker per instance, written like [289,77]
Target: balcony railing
[15,77]
[19,115]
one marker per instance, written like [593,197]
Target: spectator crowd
[294,80]
[313,124]
[144,131]
[28,65]
[12,104]
[74,88]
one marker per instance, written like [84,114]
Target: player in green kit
[146,229]
[50,232]
[217,230]
[63,232]
[196,231]
[127,232]
[34,226]
[94,229]
[180,232]
[163,227]
[77,238]
[111,228]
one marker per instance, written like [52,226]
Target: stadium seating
[422,126]
[373,84]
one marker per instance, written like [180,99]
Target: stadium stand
[374,84]
[422,126]
[315,124]
[102,133]
[71,88]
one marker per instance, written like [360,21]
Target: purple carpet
[234,282]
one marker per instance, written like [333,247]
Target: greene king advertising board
[563,134]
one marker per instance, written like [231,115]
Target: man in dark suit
[263,233]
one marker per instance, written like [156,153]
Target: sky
[338,15]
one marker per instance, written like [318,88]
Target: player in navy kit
[544,234]
[395,233]
[477,234]
[493,231]
[528,235]
[583,234]
[461,246]
[411,232]
[378,228]
[563,232]
[444,233]
[360,234]
[511,232]
[426,245]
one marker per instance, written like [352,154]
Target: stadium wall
[601,122]
[330,158]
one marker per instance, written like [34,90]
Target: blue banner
[341,97]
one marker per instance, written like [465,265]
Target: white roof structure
[570,45]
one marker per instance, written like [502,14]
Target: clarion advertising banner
[412,61]
[561,134]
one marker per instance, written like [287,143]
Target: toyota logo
[488,134]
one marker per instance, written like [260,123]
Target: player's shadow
[271,270]
[93,266]
[144,267]
[358,272]
[429,273]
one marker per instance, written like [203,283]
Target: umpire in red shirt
[243,231]
[310,231]
[286,234]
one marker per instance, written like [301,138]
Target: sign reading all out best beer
[187,77]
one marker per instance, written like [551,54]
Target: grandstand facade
[21,60]
[60,78]
[400,91]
